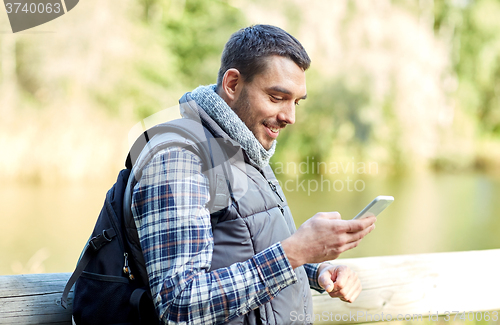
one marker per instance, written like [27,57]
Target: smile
[274,130]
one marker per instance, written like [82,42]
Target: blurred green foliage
[343,121]
[189,36]
[379,87]
[475,40]
[195,32]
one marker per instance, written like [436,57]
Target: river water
[44,228]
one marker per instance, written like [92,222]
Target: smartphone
[375,207]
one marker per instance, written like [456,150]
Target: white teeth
[273,130]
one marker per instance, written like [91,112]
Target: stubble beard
[242,108]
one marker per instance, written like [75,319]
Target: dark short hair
[247,49]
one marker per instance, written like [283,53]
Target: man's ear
[231,84]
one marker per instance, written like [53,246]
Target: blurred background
[403,100]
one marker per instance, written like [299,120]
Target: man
[254,267]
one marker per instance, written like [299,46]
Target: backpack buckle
[102,239]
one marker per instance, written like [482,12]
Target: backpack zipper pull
[126,268]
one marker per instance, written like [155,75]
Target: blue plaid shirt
[168,205]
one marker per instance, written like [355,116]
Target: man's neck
[223,95]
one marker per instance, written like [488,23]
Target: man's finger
[330,215]
[355,226]
[340,278]
[354,292]
[357,236]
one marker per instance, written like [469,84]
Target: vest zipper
[275,190]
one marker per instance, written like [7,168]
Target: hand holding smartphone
[375,207]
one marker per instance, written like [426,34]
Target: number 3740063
[33,7]
[471,316]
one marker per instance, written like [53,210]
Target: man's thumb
[325,281]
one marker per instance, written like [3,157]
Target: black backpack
[111,278]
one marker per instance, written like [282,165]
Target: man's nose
[287,114]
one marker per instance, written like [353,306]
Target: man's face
[267,103]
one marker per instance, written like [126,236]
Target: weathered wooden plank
[392,285]
[417,285]
[33,299]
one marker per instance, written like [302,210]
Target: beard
[253,121]
[242,107]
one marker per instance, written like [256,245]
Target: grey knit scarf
[208,99]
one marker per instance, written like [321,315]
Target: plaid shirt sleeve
[168,205]
[312,275]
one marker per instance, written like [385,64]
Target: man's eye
[297,103]
[276,99]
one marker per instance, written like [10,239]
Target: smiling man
[253,267]
[267,104]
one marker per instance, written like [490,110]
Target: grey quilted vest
[254,218]
[257,218]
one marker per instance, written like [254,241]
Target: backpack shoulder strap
[192,136]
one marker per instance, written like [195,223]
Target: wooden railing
[460,285]
[407,286]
